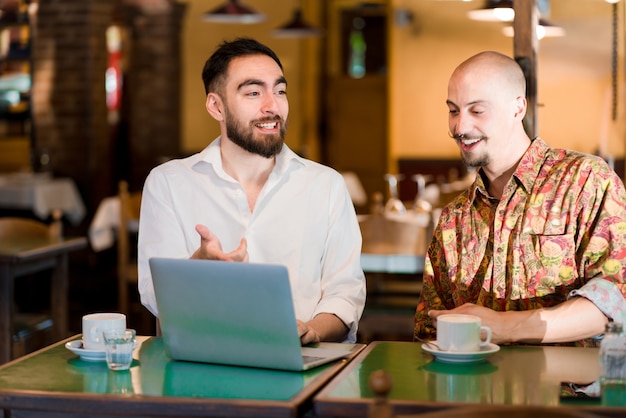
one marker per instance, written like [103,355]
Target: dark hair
[214,71]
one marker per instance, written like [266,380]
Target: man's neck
[499,173]
[250,170]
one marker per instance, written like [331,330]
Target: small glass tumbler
[119,345]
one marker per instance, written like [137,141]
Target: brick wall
[69,98]
[153,87]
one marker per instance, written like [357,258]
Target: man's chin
[472,161]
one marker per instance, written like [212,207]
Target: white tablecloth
[103,228]
[41,194]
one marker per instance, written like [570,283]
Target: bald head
[487,105]
[494,67]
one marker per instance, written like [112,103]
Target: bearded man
[248,198]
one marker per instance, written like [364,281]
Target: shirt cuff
[606,295]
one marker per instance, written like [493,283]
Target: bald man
[536,247]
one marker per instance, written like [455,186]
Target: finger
[204,232]
[302,328]
[435,313]
[240,253]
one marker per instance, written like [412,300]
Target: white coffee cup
[461,333]
[94,324]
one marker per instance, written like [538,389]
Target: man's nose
[270,104]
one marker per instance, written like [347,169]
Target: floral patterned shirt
[559,231]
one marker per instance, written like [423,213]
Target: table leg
[59,297]
[6,312]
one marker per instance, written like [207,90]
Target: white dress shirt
[303,218]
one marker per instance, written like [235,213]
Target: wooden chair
[31,331]
[127,276]
[14,227]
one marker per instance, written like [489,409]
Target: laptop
[232,313]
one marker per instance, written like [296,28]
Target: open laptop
[232,313]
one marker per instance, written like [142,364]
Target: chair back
[130,204]
[16,227]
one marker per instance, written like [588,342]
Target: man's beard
[477,161]
[266,146]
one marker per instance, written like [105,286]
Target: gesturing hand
[211,247]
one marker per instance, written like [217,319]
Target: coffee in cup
[95,324]
[461,333]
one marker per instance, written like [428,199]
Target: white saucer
[460,357]
[76,347]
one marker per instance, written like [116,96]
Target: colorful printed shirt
[559,231]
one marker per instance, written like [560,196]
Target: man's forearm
[573,320]
[329,327]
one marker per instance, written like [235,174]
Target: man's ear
[215,107]
[520,107]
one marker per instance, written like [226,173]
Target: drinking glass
[394,205]
[421,205]
[119,345]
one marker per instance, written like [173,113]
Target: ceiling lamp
[296,27]
[494,11]
[233,12]
[544,29]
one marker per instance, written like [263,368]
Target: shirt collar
[284,159]
[525,173]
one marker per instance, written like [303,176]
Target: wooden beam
[525,45]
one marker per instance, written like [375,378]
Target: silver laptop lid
[227,312]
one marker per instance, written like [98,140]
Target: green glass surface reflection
[161,375]
[152,373]
[515,375]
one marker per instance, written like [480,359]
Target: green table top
[151,373]
[515,375]
[152,381]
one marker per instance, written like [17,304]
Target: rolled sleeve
[606,295]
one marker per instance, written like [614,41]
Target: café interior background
[573,72]
[368,125]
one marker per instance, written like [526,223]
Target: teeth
[470,141]
[267,125]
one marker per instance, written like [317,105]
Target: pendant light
[297,27]
[233,12]
[494,11]
[544,29]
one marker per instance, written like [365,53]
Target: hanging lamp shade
[494,11]
[297,27]
[544,28]
[233,11]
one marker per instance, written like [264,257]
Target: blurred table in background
[20,257]
[41,194]
[392,257]
[393,245]
[103,227]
